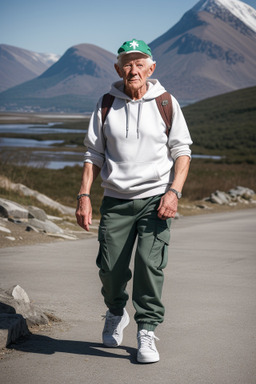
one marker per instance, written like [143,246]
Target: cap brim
[133,51]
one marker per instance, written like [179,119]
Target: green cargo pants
[122,222]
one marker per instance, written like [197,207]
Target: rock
[62,236]
[202,206]
[44,226]
[7,184]
[36,213]
[10,209]
[22,306]
[3,229]
[30,228]
[245,193]
[12,327]
[17,314]
[10,238]
[18,293]
[219,197]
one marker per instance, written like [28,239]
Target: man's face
[134,69]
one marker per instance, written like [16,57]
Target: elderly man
[143,170]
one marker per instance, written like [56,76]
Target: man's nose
[133,68]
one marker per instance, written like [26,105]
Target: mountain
[75,82]
[18,65]
[210,51]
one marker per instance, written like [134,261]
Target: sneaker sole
[144,360]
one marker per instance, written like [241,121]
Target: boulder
[17,313]
[7,184]
[22,306]
[43,226]
[219,197]
[4,229]
[18,293]
[36,213]
[245,193]
[10,209]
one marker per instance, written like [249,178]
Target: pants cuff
[117,311]
[146,326]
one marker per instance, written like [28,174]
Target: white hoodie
[132,149]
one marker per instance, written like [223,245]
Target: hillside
[74,83]
[18,65]
[225,125]
[210,51]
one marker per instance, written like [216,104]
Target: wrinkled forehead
[132,57]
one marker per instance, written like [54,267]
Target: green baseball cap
[134,46]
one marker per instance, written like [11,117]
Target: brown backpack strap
[164,103]
[106,104]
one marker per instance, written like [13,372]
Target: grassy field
[63,185]
[223,125]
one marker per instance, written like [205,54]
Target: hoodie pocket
[159,251]
[103,261]
[130,176]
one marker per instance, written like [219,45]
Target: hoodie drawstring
[138,119]
[127,118]
[127,112]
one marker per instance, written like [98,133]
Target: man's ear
[118,70]
[151,69]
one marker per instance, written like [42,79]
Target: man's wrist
[82,195]
[177,193]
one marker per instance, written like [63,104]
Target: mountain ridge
[18,65]
[212,53]
[209,51]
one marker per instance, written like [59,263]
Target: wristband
[177,193]
[82,194]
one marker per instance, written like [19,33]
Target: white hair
[149,61]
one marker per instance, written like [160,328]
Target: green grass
[62,185]
[225,125]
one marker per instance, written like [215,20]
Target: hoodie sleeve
[179,137]
[94,140]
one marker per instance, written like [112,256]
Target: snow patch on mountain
[46,58]
[242,11]
[237,8]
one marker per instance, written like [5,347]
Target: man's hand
[168,206]
[84,212]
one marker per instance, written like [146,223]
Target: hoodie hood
[155,89]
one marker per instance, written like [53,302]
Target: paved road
[208,336]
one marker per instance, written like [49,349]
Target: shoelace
[146,340]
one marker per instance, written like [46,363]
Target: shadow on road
[46,345]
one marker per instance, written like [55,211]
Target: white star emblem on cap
[134,44]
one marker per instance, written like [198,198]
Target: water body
[57,159]
[38,129]
[27,143]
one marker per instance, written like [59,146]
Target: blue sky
[56,25]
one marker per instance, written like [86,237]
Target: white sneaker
[112,334]
[147,352]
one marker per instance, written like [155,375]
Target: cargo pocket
[159,251]
[102,260]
